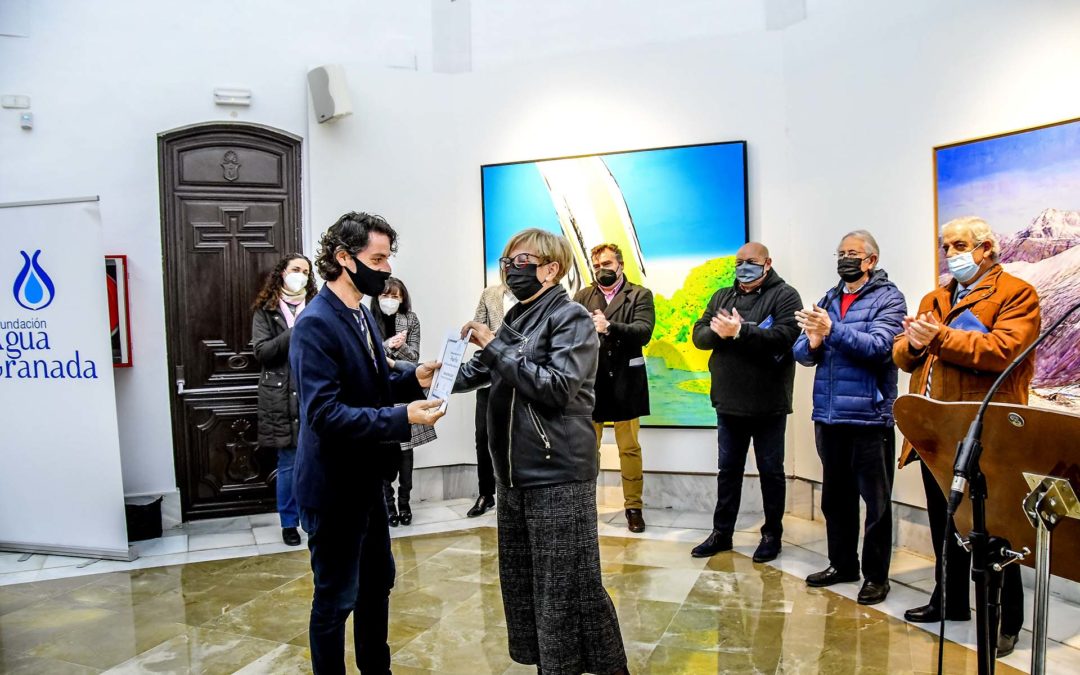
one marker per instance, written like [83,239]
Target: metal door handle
[213,390]
[180,382]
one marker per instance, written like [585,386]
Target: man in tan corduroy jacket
[964,335]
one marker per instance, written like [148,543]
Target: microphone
[969,449]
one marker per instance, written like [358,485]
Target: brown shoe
[634,521]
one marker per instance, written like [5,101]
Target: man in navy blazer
[347,392]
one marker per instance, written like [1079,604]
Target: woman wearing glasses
[541,368]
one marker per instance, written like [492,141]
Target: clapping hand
[397,340]
[725,324]
[920,331]
[815,322]
[600,321]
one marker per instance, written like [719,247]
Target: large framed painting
[1026,184]
[679,214]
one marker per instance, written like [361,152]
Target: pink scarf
[290,318]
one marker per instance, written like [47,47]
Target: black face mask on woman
[522,282]
[367,281]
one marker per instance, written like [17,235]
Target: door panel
[230,196]
[228,248]
[235,166]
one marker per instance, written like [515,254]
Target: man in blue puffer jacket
[848,335]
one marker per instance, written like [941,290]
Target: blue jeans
[286,500]
[733,436]
[354,572]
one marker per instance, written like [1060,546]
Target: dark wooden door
[230,208]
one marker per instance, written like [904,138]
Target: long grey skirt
[558,615]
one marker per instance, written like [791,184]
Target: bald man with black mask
[750,328]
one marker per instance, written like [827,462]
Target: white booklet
[453,351]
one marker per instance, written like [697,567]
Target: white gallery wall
[840,112]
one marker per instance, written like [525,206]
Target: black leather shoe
[393,519]
[634,521]
[829,576]
[716,543]
[872,593]
[484,503]
[290,536]
[767,549]
[932,614]
[1006,645]
[405,514]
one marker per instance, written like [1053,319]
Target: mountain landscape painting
[1026,184]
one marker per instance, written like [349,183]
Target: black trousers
[959,565]
[733,436]
[485,473]
[402,471]
[354,572]
[857,461]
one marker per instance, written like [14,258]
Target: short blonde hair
[980,232]
[547,246]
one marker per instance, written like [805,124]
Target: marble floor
[226,596]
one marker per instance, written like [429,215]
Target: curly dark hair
[351,234]
[270,293]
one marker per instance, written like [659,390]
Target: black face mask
[367,281]
[849,269]
[606,277]
[523,282]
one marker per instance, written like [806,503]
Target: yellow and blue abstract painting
[678,214]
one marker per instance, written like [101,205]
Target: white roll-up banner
[61,489]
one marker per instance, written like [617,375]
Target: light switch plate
[15,101]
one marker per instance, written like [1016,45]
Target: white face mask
[389,306]
[295,282]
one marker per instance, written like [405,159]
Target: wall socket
[15,101]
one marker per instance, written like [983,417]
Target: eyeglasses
[520,261]
[853,255]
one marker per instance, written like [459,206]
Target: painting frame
[737,226]
[117,284]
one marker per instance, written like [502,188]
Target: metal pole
[1042,598]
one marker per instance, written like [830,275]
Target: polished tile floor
[678,614]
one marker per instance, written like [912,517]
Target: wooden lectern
[1016,439]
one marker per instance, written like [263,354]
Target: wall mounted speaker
[329,92]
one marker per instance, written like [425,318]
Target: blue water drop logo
[33,288]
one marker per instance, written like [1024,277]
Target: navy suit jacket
[346,404]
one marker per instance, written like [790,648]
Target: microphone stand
[989,555]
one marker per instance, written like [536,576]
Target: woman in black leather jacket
[541,367]
[283,296]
